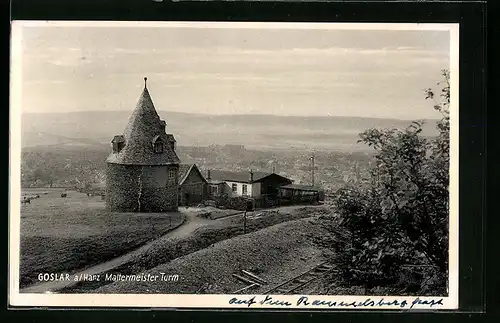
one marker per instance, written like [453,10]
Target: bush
[399,217]
[239,203]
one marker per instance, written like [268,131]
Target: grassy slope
[163,251]
[64,234]
[276,254]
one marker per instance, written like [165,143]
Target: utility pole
[312,169]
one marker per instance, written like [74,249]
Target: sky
[314,72]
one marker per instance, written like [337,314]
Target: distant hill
[253,131]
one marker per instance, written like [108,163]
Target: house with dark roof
[192,185]
[143,167]
[250,184]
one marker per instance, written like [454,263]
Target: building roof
[143,126]
[186,169]
[242,177]
[118,138]
[214,181]
[299,187]
[170,137]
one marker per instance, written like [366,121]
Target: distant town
[65,166]
[276,180]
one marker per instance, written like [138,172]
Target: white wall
[252,189]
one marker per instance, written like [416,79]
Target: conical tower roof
[143,129]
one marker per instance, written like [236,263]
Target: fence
[245,203]
[240,203]
[265,201]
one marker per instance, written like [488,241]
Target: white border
[213,301]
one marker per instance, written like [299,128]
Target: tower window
[118,146]
[157,145]
[118,143]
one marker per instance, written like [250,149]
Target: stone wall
[133,188]
[160,188]
[121,187]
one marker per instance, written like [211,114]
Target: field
[64,234]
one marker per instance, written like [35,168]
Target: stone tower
[142,170]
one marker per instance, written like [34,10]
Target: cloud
[122,61]
[405,47]
[69,61]
[130,50]
[311,51]
[58,56]
[70,57]
[230,51]
[45,82]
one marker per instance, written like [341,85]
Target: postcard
[235,165]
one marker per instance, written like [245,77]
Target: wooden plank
[245,288]
[246,280]
[254,276]
[309,272]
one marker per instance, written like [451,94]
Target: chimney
[163,126]
[251,175]
[208,174]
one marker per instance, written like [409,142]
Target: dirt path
[289,251]
[192,223]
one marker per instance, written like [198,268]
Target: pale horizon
[229,115]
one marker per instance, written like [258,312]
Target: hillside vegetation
[398,219]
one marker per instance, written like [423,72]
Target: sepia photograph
[217,164]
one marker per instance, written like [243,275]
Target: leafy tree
[399,218]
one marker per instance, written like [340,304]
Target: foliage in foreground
[398,221]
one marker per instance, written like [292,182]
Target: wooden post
[245,222]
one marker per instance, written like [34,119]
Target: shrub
[399,217]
